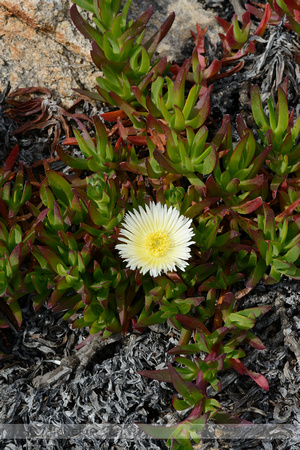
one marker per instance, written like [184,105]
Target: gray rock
[40,46]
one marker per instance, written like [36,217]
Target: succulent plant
[62,236]
[289,10]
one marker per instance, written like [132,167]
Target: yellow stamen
[157,243]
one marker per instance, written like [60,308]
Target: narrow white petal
[170,237]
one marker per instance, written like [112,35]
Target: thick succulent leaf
[137,27]
[257,273]
[257,108]
[83,26]
[52,259]
[283,112]
[151,320]
[152,43]
[259,379]
[12,157]
[248,207]
[16,310]
[85,4]
[60,187]
[159,375]
[191,323]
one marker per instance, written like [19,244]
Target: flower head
[156,240]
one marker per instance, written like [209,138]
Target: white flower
[156,240]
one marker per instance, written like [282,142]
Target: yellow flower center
[157,243]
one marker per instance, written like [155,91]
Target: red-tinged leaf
[235,159]
[152,43]
[16,310]
[212,70]
[154,124]
[191,323]
[241,369]
[134,168]
[264,20]
[196,209]
[199,38]
[126,107]
[248,207]
[70,141]
[252,185]
[251,47]
[57,217]
[52,259]
[55,297]
[290,6]
[257,274]
[269,231]
[159,375]
[212,187]
[254,341]
[137,140]
[189,349]
[179,384]
[75,163]
[41,216]
[178,88]
[258,13]
[259,160]
[231,40]
[151,320]
[87,30]
[207,166]
[218,335]
[224,24]
[204,106]
[15,256]
[150,106]
[71,303]
[60,187]
[11,159]
[8,314]
[255,312]
[137,27]
[287,212]
[196,413]
[260,241]
[223,135]
[230,72]
[164,162]
[112,116]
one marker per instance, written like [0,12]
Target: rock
[178,43]
[40,46]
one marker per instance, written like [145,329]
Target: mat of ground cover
[45,383]
[91,398]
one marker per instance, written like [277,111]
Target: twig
[75,363]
